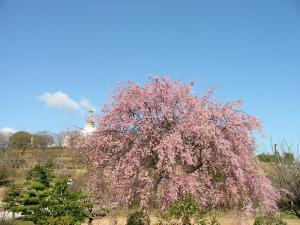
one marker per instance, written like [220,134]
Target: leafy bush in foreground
[183,210]
[207,221]
[138,218]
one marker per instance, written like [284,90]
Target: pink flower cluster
[157,142]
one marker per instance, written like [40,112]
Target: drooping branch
[161,135]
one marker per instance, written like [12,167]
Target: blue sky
[75,52]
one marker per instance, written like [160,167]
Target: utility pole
[276,152]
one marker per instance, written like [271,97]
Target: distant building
[90,124]
[66,141]
[87,130]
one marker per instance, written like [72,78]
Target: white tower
[90,125]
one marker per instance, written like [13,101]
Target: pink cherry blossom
[159,141]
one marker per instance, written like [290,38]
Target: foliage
[43,198]
[269,220]
[267,158]
[28,198]
[286,177]
[138,218]
[60,220]
[183,208]
[287,157]
[42,140]
[11,198]
[21,139]
[157,142]
[62,202]
[207,221]
[41,173]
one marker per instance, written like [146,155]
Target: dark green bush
[43,198]
[42,173]
[269,220]
[138,218]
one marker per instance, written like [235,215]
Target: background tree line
[25,139]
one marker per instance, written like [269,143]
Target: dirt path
[223,221]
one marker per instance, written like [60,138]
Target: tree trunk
[186,220]
[13,218]
[296,212]
[90,221]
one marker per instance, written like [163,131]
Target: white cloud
[7,130]
[86,104]
[60,101]
[63,103]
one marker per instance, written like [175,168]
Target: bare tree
[60,137]
[43,139]
[285,175]
[4,139]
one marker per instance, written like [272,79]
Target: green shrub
[60,220]
[44,198]
[182,209]
[269,220]
[207,221]
[38,186]
[11,198]
[42,173]
[138,218]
